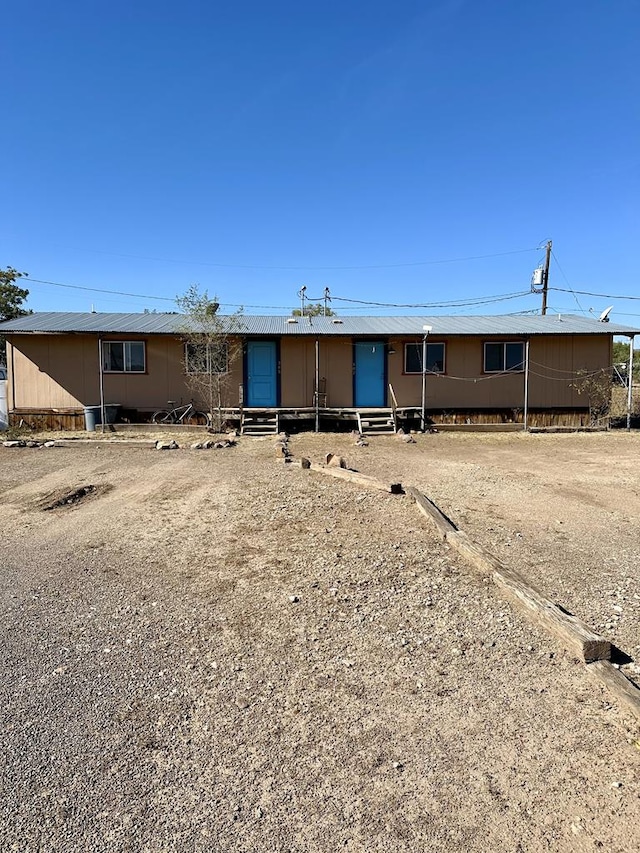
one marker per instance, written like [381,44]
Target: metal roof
[275,326]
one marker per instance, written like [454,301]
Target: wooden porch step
[376,421]
[259,423]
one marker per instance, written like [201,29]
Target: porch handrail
[394,407]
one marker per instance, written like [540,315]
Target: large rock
[14,443]
[167,445]
[333,461]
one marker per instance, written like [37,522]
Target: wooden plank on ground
[623,690]
[576,636]
[476,554]
[354,477]
[432,512]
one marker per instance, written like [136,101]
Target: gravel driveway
[213,651]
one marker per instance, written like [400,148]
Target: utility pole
[545,277]
[327,298]
[302,294]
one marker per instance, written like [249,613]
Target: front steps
[264,422]
[376,421]
[259,423]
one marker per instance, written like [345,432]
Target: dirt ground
[214,651]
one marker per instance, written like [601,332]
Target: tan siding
[49,372]
[465,386]
[555,363]
[338,354]
[61,371]
[53,371]
[297,371]
[298,365]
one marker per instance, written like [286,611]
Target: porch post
[102,409]
[423,416]
[526,385]
[10,349]
[630,384]
[316,396]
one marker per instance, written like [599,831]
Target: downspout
[102,406]
[526,386]
[630,384]
[317,385]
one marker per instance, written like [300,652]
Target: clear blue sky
[254,147]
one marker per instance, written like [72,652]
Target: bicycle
[181,415]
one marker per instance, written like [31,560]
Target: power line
[146,296]
[580,308]
[100,290]
[454,303]
[355,304]
[303,267]
[590,293]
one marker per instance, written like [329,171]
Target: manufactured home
[531,370]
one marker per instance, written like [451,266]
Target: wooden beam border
[350,476]
[576,636]
[592,648]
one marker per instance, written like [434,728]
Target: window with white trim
[206,358]
[504,357]
[413,358]
[123,356]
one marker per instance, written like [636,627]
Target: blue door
[370,390]
[262,374]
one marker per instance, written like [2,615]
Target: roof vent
[291,320]
[336,320]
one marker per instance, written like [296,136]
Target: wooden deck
[328,417]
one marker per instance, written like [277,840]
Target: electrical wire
[146,296]
[473,379]
[578,375]
[100,290]
[580,308]
[349,304]
[457,303]
[590,293]
[303,267]
[557,369]
[354,304]
[574,376]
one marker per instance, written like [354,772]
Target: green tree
[620,352]
[212,345]
[11,299]
[621,359]
[313,309]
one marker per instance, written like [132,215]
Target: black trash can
[93,415]
[110,413]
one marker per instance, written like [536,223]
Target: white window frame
[418,345]
[504,368]
[126,356]
[208,370]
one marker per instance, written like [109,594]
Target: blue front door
[262,374]
[370,388]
